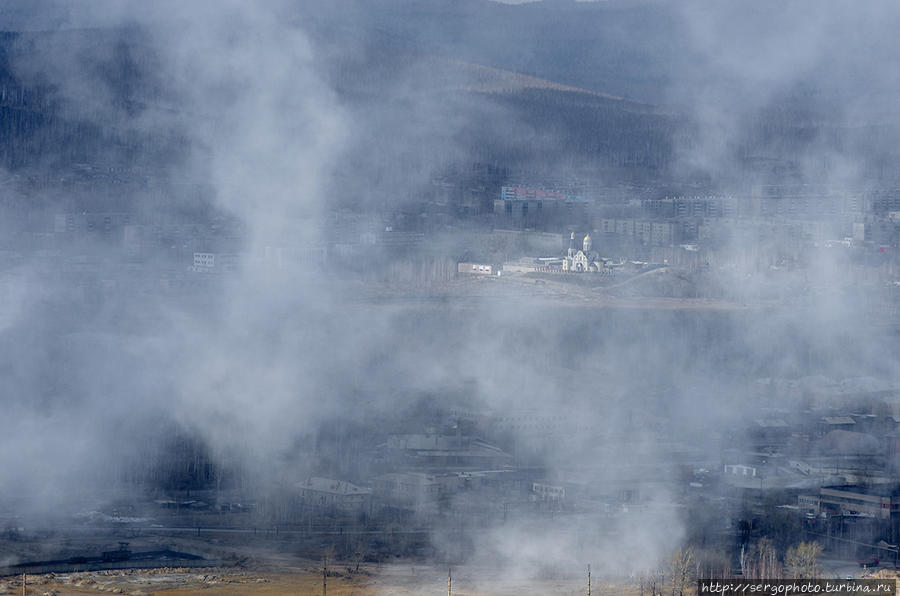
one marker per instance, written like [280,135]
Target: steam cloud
[260,364]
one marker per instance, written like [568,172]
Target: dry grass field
[396,580]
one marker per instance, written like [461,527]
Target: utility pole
[589,579]
[23,584]
[449,581]
[324,575]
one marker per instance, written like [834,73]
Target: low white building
[740,470]
[205,260]
[476,269]
[548,492]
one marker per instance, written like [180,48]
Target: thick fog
[273,121]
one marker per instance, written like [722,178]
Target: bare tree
[712,564]
[761,561]
[360,547]
[681,564]
[655,581]
[801,561]
[766,559]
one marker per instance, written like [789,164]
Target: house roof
[327,485]
[444,445]
[875,490]
[839,420]
[771,423]
[413,478]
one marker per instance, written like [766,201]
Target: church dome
[587,243]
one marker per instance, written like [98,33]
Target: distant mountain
[624,49]
[465,76]
[621,90]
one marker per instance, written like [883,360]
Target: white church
[584,260]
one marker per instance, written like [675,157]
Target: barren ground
[390,580]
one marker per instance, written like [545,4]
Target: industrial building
[333,496]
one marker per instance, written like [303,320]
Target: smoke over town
[396,287]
